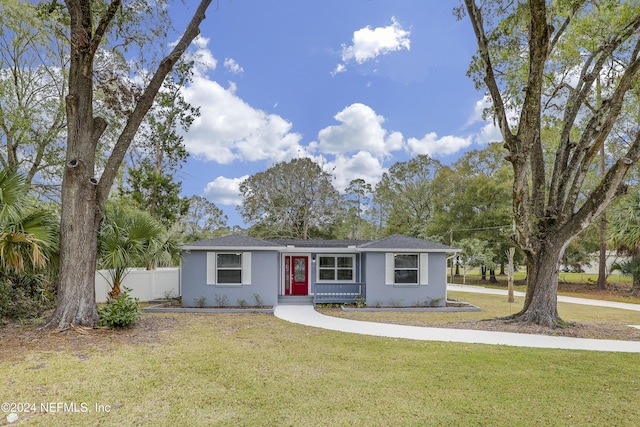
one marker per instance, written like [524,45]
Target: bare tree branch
[490,80]
[610,187]
[570,155]
[598,130]
[103,25]
[146,101]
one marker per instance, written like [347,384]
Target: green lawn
[256,370]
[493,306]
[618,285]
[474,274]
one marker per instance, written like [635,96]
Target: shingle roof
[318,243]
[233,240]
[398,241]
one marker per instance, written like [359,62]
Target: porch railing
[333,293]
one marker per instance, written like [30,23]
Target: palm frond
[131,238]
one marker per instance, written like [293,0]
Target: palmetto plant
[624,234]
[629,268]
[28,236]
[132,238]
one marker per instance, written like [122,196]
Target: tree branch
[568,155]
[565,24]
[517,156]
[598,130]
[103,25]
[146,101]
[475,16]
[610,187]
[530,116]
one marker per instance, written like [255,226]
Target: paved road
[306,315]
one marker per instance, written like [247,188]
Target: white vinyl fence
[146,285]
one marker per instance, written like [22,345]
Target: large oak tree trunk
[81,214]
[543,267]
[78,251]
[83,194]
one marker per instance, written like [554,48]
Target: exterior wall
[146,285]
[313,279]
[378,293]
[264,280]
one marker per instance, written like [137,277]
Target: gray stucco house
[392,271]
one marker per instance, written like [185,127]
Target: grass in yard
[614,278]
[497,305]
[593,322]
[581,285]
[253,369]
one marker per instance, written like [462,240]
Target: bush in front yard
[24,297]
[120,312]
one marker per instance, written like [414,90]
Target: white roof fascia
[446,251]
[340,250]
[233,248]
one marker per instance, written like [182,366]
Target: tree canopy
[541,63]
[405,196]
[294,199]
[32,91]
[203,220]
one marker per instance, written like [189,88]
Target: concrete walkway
[307,315]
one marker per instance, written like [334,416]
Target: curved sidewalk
[307,315]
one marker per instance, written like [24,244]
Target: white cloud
[489,132]
[360,129]
[479,110]
[361,165]
[370,43]
[202,57]
[229,129]
[225,191]
[231,65]
[434,146]
[394,142]
[340,68]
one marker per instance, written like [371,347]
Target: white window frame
[423,269]
[336,268]
[212,268]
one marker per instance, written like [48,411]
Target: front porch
[338,293]
[328,293]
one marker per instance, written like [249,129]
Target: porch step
[295,300]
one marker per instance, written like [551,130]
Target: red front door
[296,277]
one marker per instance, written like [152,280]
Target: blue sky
[354,84]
